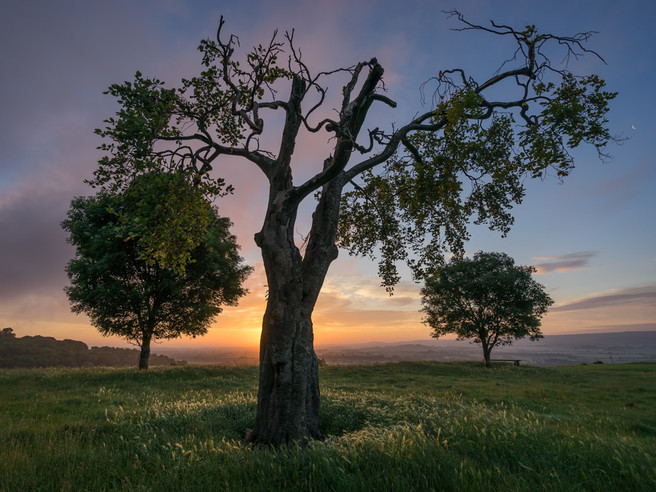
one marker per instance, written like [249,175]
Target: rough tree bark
[288,396]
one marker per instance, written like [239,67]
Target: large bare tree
[406,193]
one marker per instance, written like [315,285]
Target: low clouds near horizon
[632,296]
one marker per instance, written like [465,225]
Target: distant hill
[39,351]
[552,350]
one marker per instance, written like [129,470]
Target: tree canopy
[406,193]
[142,288]
[487,299]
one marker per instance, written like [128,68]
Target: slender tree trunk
[486,355]
[145,352]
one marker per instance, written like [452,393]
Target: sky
[592,237]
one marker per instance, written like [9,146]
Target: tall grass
[408,426]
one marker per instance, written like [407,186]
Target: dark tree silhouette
[7,333]
[406,194]
[40,351]
[117,278]
[487,299]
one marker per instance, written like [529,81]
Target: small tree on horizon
[7,333]
[486,299]
[133,286]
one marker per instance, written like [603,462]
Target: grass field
[408,426]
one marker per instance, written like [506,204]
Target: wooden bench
[514,361]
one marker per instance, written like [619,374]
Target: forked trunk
[288,395]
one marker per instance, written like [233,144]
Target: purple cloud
[564,263]
[637,295]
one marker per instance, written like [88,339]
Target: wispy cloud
[564,263]
[634,296]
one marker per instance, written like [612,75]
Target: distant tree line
[39,351]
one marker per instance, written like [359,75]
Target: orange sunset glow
[591,238]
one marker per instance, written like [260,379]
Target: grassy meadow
[407,426]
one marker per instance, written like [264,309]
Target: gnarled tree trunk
[288,396]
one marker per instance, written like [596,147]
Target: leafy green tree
[133,284]
[406,193]
[487,299]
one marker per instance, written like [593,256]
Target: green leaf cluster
[571,113]
[145,113]
[469,166]
[220,95]
[418,208]
[486,298]
[130,282]
[166,217]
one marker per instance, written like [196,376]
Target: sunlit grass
[409,426]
